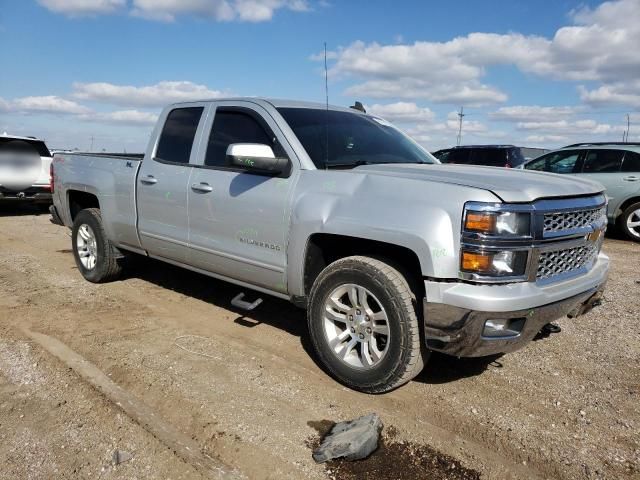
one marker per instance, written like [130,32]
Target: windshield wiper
[367,162]
[350,165]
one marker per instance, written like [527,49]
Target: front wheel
[363,325]
[629,222]
[96,257]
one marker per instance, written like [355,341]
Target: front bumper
[34,194]
[456,326]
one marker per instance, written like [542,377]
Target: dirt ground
[245,387]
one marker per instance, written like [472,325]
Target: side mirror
[255,157]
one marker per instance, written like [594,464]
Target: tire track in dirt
[137,410]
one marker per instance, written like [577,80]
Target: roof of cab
[277,103]
[633,146]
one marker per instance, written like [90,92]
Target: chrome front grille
[555,222]
[566,261]
[564,239]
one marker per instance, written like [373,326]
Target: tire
[88,236]
[377,362]
[630,215]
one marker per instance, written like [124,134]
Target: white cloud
[402,112]
[43,104]
[437,133]
[157,95]
[473,94]
[220,10]
[601,46]
[546,139]
[129,97]
[126,117]
[83,7]
[169,10]
[563,124]
[618,93]
[576,127]
[468,126]
[52,104]
[4,105]
[532,113]
[429,70]
[572,131]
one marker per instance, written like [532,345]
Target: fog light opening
[503,327]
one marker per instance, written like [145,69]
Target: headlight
[496,264]
[498,223]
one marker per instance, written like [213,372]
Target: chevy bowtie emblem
[594,236]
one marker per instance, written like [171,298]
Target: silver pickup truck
[392,254]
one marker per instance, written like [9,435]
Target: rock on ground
[351,440]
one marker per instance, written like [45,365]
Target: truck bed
[112,179]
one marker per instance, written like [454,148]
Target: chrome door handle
[149,180]
[201,187]
[631,178]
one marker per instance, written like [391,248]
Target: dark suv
[508,156]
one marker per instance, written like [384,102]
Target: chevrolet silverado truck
[392,254]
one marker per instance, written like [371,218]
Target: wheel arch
[624,205]
[323,249]
[78,200]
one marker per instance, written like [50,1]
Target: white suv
[25,164]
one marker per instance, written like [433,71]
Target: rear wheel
[96,257]
[363,325]
[629,222]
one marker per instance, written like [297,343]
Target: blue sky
[534,73]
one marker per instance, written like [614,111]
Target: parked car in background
[529,153]
[24,170]
[392,254]
[508,156]
[614,165]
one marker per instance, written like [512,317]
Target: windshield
[352,139]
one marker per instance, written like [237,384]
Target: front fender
[423,217]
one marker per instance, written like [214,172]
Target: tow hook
[594,300]
[550,328]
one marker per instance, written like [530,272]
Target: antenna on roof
[358,106]
[326,94]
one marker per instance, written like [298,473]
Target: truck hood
[509,185]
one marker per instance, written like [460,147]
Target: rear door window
[631,162]
[459,155]
[178,134]
[231,126]
[563,161]
[603,161]
[491,157]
